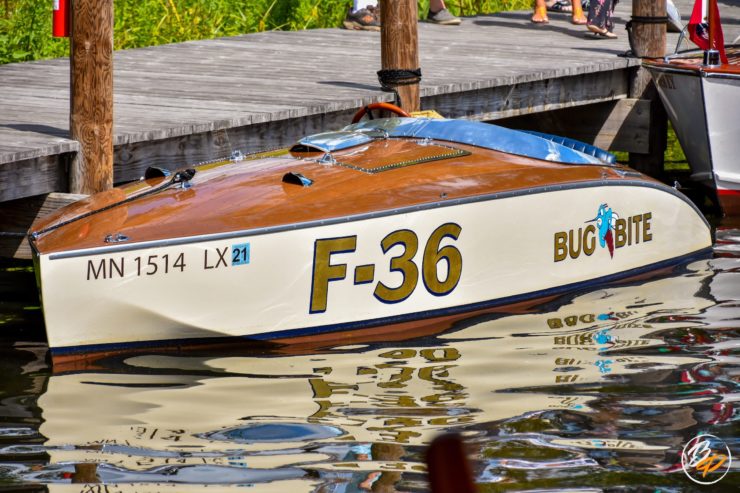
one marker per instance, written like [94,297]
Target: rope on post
[641,19]
[391,78]
[398,77]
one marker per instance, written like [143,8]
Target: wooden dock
[186,103]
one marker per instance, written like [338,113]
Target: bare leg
[578,17]
[436,5]
[540,12]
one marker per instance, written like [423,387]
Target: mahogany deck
[256,197]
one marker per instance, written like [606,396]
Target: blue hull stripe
[368,324]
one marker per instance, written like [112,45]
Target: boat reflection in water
[616,379]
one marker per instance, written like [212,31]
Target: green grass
[25,25]
[675,159]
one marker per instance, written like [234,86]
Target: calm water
[597,390]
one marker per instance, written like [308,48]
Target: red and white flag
[699,28]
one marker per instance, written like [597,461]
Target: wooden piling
[399,50]
[649,40]
[448,467]
[91,95]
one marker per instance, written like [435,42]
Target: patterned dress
[600,13]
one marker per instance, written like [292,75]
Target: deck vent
[116,238]
[156,172]
[301,148]
[294,178]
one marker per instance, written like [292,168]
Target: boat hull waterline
[380,224]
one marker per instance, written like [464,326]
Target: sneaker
[363,20]
[443,17]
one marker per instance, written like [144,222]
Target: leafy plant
[25,25]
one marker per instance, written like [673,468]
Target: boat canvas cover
[488,136]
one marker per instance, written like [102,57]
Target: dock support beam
[649,40]
[91,95]
[399,50]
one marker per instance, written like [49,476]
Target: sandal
[560,6]
[540,16]
[600,31]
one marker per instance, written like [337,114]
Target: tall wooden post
[649,40]
[399,49]
[91,95]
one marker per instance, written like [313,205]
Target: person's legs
[559,6]
[364,15]
[540,12]
[436,5]
[596,13]
[439,14]
[599,18]
[363,4]
[608,21]
[578,17]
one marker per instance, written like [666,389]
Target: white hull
[722,96]
[467,255]
[704,112]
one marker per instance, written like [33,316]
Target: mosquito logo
[606,220]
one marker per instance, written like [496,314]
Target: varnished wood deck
[188,102]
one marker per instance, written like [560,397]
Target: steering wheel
[378,106]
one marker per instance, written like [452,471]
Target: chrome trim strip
[674,70]
[722,75]
[372,215]
[699,71]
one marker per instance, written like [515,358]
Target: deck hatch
[392,154]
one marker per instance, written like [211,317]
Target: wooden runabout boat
[701,93]
[383,223]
